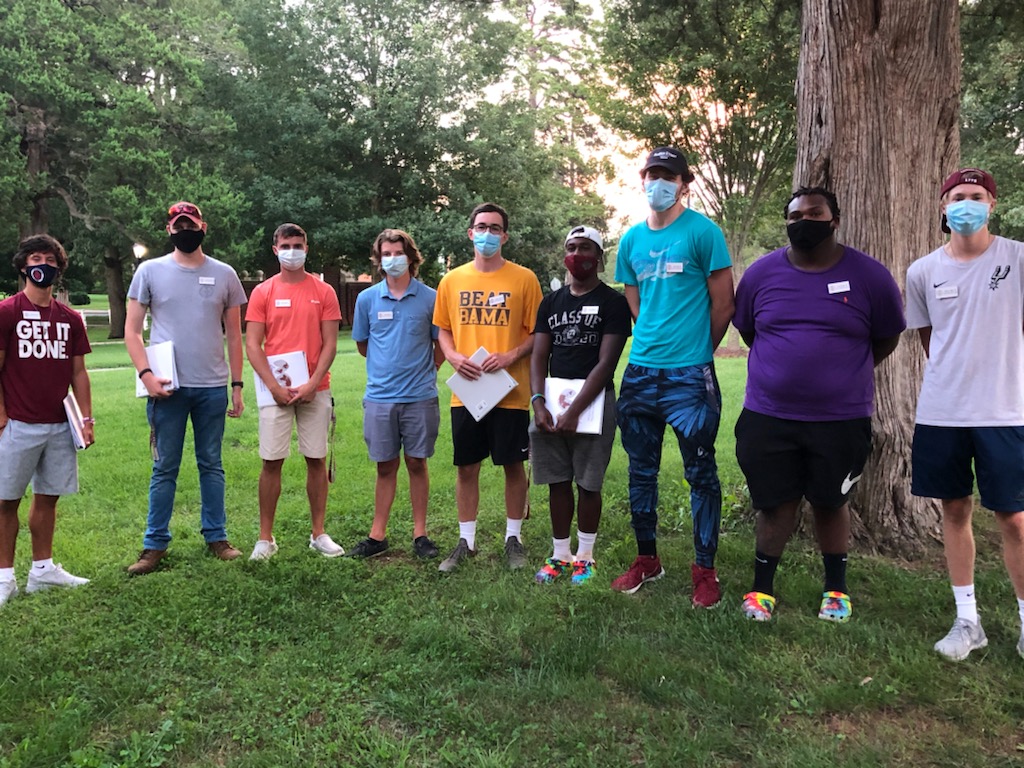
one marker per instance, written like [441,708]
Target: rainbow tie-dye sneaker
[582,571]
[551,570]
[835,606]
[757,606]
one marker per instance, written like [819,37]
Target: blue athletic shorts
[942,459]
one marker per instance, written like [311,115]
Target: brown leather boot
[147,562]
[223,550]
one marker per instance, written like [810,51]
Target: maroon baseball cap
[969,176]
[188,210]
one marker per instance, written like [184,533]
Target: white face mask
[291,258]
[395,265]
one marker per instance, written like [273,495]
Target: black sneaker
[368,548]
[424,548]
[460,553]
[515,553]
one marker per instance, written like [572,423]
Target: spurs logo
[999,274]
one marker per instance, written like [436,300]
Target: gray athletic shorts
[388,428]
[561,458]
[41,453]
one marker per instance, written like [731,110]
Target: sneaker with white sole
[52,577]
[8,589]
[264,550]
[326,546]
[964,637]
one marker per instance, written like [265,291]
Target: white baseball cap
[587,233]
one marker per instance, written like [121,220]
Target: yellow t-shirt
[495,310]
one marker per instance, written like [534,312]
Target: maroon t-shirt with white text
[38,345]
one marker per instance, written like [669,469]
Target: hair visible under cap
[412,253]
[288,230]
[40,244]
[833,204]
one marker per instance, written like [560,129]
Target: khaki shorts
[312,422]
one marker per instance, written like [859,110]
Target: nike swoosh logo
[848,483]
[936,285]
[760,560]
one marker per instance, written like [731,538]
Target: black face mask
[807,234]
[188,240]
[41,275]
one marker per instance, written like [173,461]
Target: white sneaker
[326,546]
[964,637]
[264,550]
[8,589]
[52,577]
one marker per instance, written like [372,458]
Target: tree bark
[113,271]
[878,91]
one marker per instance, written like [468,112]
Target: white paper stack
[289,368]
[75,420]
[161,362]
[558,396]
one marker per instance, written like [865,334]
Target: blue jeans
[689,401]
[167,419]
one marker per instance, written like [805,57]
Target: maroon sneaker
[645,568]
[706,591]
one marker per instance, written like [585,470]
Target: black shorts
[786,460]
[503,434]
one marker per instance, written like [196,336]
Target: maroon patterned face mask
[581,266]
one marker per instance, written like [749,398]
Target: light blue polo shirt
[400,342]
[670,268]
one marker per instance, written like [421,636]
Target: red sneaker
[645,568]
[706,591]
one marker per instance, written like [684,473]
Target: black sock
[649,547]
[764,572]
[835,572]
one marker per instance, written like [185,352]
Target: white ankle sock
[562,549]
[585,545]
[467,531]
[42,565]
[513,528]
[6,574]
[966,603]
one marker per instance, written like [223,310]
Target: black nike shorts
[503,434]
[786,460]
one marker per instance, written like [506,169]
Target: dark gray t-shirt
[187,308]
[974,376]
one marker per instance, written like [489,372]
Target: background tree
[878,124]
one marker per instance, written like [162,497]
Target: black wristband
[238,384]
[144,371]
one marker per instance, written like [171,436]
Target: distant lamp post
[139,250]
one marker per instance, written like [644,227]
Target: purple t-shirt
[811,358]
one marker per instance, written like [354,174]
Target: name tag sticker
[207,280]
[591,310]
[31,314]
[494,300]
[282,302]
[946,292]
[389,315]
[843,286]
[674,267]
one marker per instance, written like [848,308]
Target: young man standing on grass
[805,429]
[42,352]
[967,301]
[490,303]
[580,332]
[194,302]
[294,311]
[678,282]
[393,329]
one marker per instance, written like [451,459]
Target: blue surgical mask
[486,243]
[965,217]
[396,265]
[291,258]
[661,194]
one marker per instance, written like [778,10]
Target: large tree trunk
[878,105]
[113,271]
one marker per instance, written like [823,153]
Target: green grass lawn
[302,661]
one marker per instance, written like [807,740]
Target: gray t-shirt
[974,376]
[187,307]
